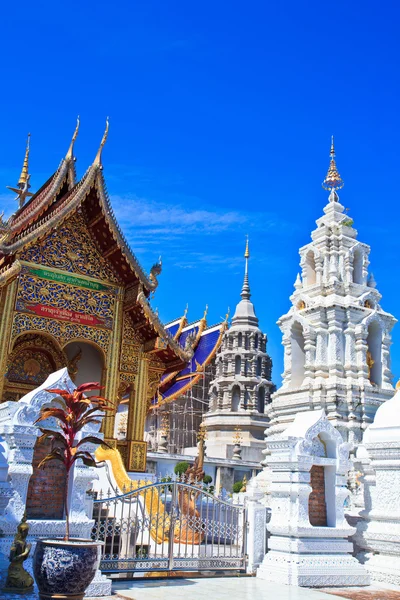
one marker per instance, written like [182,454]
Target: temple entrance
[86,362]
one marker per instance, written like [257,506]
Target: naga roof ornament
[70,152]
[22,189]
[97,160]
[333,181]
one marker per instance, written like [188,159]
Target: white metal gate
[169,526]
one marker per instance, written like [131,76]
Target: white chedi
[336,335]
[242,386]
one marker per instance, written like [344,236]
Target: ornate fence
[169,526]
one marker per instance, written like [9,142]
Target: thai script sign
[63,314]
[69,279]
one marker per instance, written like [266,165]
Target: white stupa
[336,336]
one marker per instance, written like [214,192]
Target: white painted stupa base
[313,570]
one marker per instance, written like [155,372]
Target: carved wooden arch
[39,354]
[42,342]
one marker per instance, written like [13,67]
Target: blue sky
[220,121]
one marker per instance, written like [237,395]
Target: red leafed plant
[73,411]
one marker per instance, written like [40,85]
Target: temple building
[176,410]
[336,335]
[74,295]
[242,386]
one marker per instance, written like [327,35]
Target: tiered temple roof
[203,341]
[57,200]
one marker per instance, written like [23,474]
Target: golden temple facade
[74,295]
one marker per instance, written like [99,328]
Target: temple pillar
[136,451]
[7,308]
[112,369]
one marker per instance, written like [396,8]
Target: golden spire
[70,152]
[23,183]
[332,181]
[24,177]
[97,160]
[247,252]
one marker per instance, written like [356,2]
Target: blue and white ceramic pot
[64,569]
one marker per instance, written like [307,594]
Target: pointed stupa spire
[244,313]
[70,152]
[333,181]
[23,183]
[246,288]
[97,160]
[24,177]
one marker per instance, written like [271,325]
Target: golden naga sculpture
[370,364]
[19,580]
[186,532]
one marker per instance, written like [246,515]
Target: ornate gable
[71,248]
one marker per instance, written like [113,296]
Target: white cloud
[191,237]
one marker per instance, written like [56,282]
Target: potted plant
[64,568]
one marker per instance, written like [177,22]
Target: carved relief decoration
[137,455]
[61,331]
[33,291]
[156,369]
[130,348]
[72,249]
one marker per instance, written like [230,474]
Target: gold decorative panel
[71,248]
[137,453]
[35,294]
[62,332]
[130,349]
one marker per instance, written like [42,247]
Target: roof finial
[205,312]
[97,160]
[70,152]
[247,253]
[24,177]
[23,183]
[333,181]
[246,288]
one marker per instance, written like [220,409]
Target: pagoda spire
[97,160]
[70,152]
[245,293]
[332,181]
[23,183]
